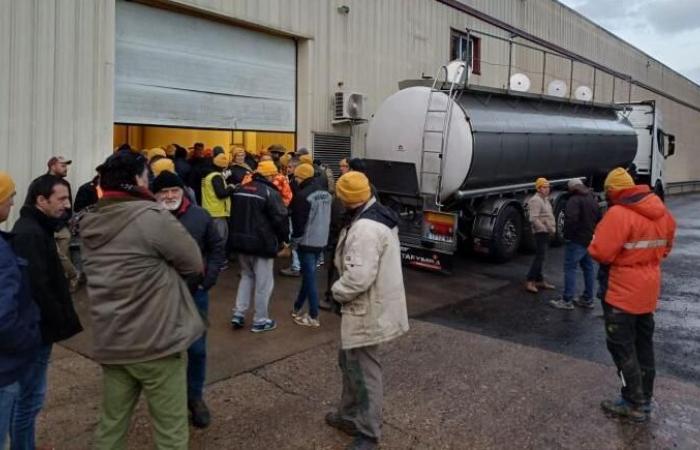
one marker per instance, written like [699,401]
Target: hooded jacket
[34,242]
[635,235]
[311,216]
[135,255]
[540,214]
[260,224]
[370,287]
[582,215]
[19,315]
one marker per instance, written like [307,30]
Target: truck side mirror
[671,149]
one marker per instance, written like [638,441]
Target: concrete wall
[57,66]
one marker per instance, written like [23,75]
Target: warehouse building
[78,77]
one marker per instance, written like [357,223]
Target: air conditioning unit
[349,106]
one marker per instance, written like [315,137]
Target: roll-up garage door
[183,71]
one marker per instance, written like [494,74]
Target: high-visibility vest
[217,207]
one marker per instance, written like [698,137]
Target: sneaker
[237,322]
[290,272]
[326,304]
[647,407]
[623,408]
[530,287]
[268,325]
[362,442]
[296,314]
[346,426]
[560,303]
[307,321]
[200,413]
[544,285]
[584,303]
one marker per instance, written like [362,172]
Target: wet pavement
[486,365]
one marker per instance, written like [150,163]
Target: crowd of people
[157,229]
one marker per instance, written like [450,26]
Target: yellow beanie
[156,152]
[541,182]
[284,159]
[618,178]
[304,171]
[221,161]
[267,168]
[353,187]
[7,187]
[161,165]
[307,159]
[170,150]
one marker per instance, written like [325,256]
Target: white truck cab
[654,144]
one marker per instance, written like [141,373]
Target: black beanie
[166,179]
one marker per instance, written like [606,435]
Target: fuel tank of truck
[496,139]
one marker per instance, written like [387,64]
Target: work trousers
[541,245]
[363,392]
[197,353]
[257,283]
[164,384]
[630,342]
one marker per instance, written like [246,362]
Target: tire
[559,217]
[507,234]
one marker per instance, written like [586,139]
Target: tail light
[439,226]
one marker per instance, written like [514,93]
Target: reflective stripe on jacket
[632,239]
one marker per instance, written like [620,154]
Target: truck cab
[654,144]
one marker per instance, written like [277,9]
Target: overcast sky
[668,30]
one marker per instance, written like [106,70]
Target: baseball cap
[58,159]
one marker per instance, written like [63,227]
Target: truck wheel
[507,234]
[559,218]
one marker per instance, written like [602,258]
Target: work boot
[200,413]
[544,285]
[362,442]
[346,426]
[623,408]
[530,287]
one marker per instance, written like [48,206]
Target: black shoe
[326,304]
[344,425]
[624,409]
[200,413]
[237,322]
[362,442]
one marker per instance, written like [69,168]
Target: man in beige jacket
[136,258]
[539,211]
[371,292]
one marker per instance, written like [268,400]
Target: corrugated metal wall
[56,66]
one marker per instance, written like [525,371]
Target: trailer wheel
[560,218]
[507,234]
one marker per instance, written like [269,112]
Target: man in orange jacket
[635,235]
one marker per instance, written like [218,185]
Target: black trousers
[541,244]
[630,342]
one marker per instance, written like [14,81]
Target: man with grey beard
[169,191]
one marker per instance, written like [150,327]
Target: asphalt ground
[485,365]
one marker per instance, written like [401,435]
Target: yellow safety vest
[217,207]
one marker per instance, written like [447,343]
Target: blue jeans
[575,255]
[8,399]
[32,391]
[197,353]
[308,261]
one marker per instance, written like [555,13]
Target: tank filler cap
[583,93]
[557,88]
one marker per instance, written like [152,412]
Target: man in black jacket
[259,229]
[46,204]
[582,215]
[170,192]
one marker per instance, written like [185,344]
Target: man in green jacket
[137,258]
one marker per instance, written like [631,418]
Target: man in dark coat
[169,190]
[582,215]
[20,337]
[46,204]
[182,166]
[259,229]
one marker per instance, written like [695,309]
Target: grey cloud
[693,74]
[674,16]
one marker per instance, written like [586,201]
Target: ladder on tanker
[434,140]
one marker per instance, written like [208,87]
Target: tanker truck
[458,165]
